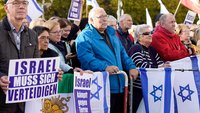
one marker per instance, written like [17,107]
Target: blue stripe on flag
[28,18]
[105,98]
[144,80]
[36,5]
[175,103]
[167,97]
[196,73]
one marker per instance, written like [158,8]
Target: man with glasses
[99,49]
[16,42]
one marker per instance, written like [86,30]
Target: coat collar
[7,26]
[109,30]
[166,32]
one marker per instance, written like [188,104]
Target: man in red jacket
[166,42]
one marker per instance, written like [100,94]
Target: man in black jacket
[16,42]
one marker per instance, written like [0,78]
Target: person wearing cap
[17,41]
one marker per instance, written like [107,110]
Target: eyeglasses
[102,16]
[18,3]
[66,30]
[44,37]
[57,32]
[147,33]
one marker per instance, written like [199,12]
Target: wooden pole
[86,10]
[177,8]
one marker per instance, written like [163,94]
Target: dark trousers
[117,103]
[12,108]
[137,97]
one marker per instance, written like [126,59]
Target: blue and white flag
[34,10]
[157,85]
[93,3]
[100,93]
[187,85]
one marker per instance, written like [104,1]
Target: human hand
[112,69]
[69,56]
[4,82]
[133,74]
[165,65]
[60,74]
[81,71]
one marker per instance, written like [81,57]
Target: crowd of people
[98,43]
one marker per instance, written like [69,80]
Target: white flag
[34,10]
[93,3]
[163,9]
[148,19]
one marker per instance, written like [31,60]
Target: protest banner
[92,94]
[82,88]
[189,19]
[75,10]
[32,79]
[63,102]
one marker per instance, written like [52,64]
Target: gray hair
[163,18]
[111,18]
[92,13]
[140,29]
[123,17]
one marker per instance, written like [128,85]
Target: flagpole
[43,1]
[86,10]
[178,7]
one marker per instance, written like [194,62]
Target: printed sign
[32,79]
[75,10]
[82,90]
[189,19]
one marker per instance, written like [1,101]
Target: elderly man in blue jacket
[99,49]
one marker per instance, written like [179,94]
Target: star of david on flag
[157,90]
[100,93]
[185,93]
[157,93]
[97,88]
[187,85]
[180,89]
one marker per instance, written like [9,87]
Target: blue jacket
[94,54]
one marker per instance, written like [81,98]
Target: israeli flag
[93,3]
[157,85]
[100,93]
[187,85]
[34,10]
